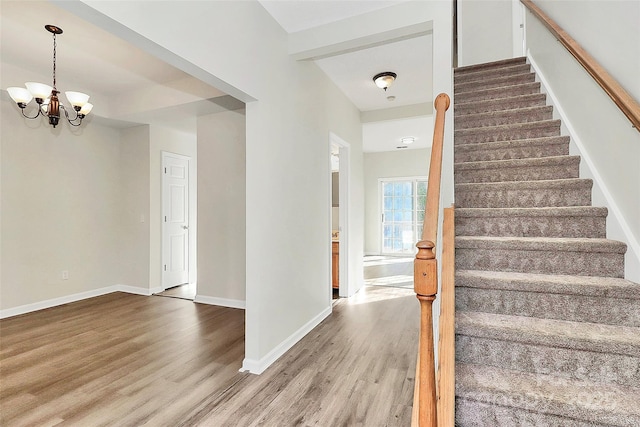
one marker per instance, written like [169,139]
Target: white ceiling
[353,72]
[111,70]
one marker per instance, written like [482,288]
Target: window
[402,214]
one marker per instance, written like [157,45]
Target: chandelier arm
[34,117]
[71,121]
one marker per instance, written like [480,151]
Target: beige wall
[484,31]
[61,209]
[222,208]
[135,208]
[391,164]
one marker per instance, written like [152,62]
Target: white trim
[224,302]
[54,302]
[259,366]
[590,170]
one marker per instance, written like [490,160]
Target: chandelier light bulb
[39,90]
[20,95]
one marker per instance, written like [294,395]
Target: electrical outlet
[65,275]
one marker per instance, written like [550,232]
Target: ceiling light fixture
[408,140]
[384,80]
[47,97]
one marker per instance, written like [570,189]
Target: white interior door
[175,220]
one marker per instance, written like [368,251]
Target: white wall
[222,208]
[286,158]
[602,135]
[60,209]
[485,31]
[392,164]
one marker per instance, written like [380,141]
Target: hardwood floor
[187,291]
[389,271]
[129,360]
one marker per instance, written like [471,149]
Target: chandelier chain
[54,61]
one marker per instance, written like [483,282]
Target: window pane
[388,202]
[397,203]
[421,201]
[407,203]
[387,231]
[397,188]
[407,188]
[387,189]
[421,188]
[407,216]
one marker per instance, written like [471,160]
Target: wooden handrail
[425,278]
[620,97]
[446,342]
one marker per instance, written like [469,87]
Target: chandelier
[47,97]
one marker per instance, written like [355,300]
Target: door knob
[186,227]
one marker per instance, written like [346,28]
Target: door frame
[344,188]
[190,231]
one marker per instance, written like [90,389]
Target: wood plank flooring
[129,360]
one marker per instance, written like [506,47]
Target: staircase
[547,329]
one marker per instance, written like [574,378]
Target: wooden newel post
[425,276]
[425,270]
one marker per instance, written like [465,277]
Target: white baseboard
[224,302]
[616,223]
[54,302]
[259,366]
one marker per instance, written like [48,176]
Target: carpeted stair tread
[550,146]
[581,221]
[489,65]
[524,194]
[494,81]
[507,132]
[490,396]
[490,73]
[461,109]
[543,255]
[571,211]
[623,340]
[541,168]
[503,117]
[605,300]
[542,244]
[497,92]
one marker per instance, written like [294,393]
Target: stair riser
[542,262]
[575,308]
[495,73]
[504,118]
[499,93]
[508,133]
[524,173]
[563,362]
[522,198]
[478,414]
[538,226]
[527,101]
[464,153]
[492,82]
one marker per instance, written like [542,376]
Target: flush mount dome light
[384,80]
[408,140]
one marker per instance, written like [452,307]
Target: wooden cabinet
[335,257]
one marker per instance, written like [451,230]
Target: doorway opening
[339,223]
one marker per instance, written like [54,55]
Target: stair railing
[425,280]
[618,95]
